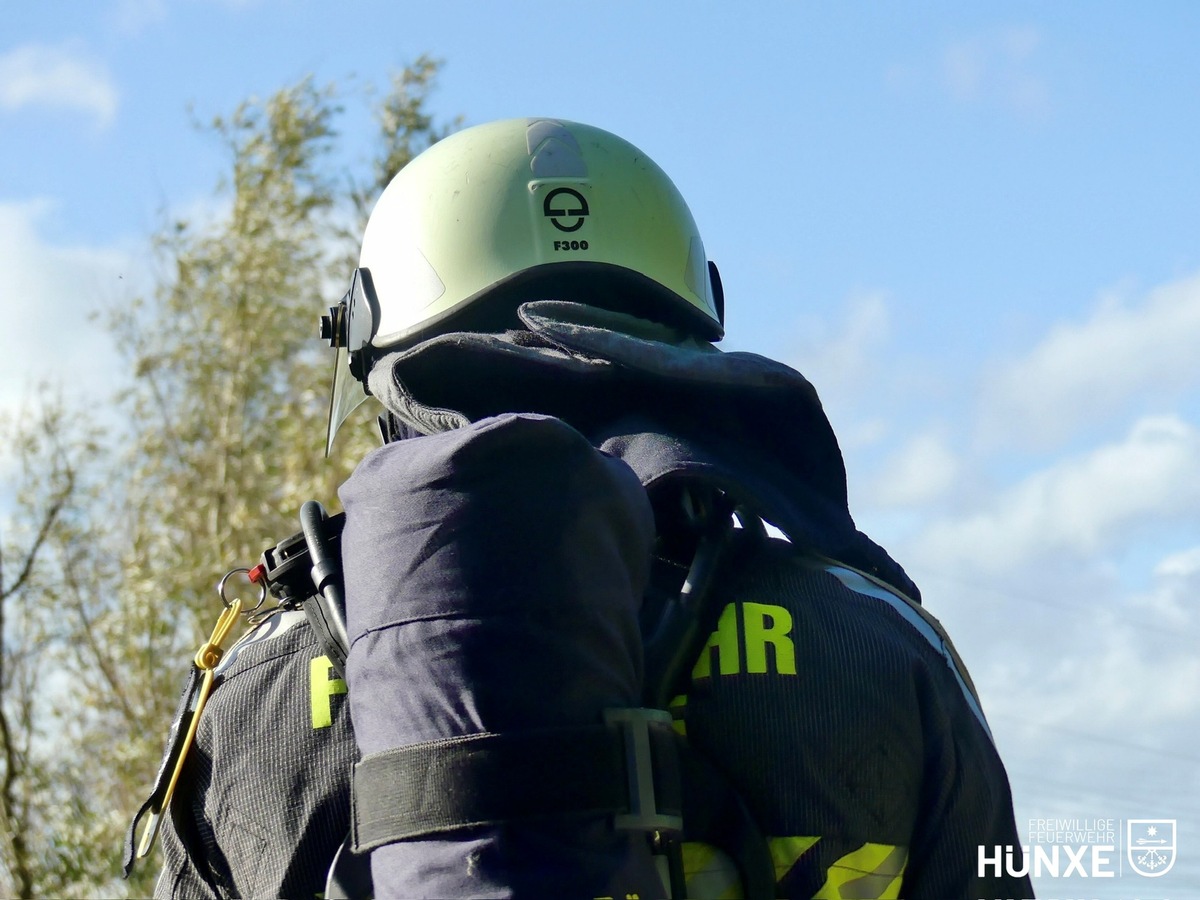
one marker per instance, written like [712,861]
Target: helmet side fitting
[527,209]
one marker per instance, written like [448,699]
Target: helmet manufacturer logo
[565,208]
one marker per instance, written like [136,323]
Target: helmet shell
[522,201]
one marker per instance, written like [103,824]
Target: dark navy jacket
[494,570]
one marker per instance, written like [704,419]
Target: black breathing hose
[326,610]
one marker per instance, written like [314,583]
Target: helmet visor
[347,395]
[354,326]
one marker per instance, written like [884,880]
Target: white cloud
[964,64]
[997,67]
[132,16]
[1182,564]
[1086,372]
[840,359]
[236,4]
[48,292]
[921,472]
[58,76]
[1118,683]
[1083,505]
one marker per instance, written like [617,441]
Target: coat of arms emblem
[1150,846]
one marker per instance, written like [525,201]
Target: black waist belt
[628,767]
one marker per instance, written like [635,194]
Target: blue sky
[975,227]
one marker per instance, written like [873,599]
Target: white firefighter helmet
[514,210]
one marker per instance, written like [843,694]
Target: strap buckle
[644,814]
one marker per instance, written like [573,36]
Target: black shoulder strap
[687,614]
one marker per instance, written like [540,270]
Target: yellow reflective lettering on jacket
[321,690]
[725,642]
[757,627]
[764,624]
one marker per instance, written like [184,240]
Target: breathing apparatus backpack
[629,768]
